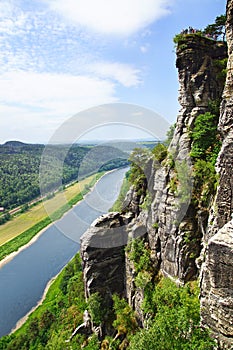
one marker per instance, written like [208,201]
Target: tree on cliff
[217,28]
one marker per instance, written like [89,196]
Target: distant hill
[14,144]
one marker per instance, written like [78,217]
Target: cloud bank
[117,17]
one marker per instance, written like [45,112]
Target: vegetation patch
[206,146]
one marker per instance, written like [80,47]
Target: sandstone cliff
[173,226]
[217,270]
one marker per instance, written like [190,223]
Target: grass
[22,228]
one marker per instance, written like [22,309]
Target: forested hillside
[20,168]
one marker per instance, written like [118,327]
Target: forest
[20,165]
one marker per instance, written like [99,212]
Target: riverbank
[56,207]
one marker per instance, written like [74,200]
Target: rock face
[224,198]
[102,252]
[217,271]
[172,225]
[217,287]
[180,223]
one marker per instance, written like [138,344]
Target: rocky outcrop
[224,199]
[217,287]
[171,225]
[217,270]
[175,228]
[102,252]
[180,223]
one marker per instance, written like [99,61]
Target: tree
[217,28]
[125,322]
[96,308]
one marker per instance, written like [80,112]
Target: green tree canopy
[217,28]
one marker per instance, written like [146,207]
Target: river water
[24,278]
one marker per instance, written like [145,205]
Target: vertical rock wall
[217,270]
[173,227]
[179,221]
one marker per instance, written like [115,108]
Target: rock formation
[217,270]
[175,228]
[102,252]
[179,228]
[217,287]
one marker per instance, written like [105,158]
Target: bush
[176,321]
[96,308]
[125,322]
[139,255]
[205,149]
[138,161]
[159,152]
[205,140]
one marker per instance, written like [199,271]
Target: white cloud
[33,105]
[120,72]
[45,89]
[6,9]
[120,17]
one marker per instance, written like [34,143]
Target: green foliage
[93,343]
[205,149]
[159,152]
[4,218]
[155,225]
[205,181]
[217,28]
[24,208]
[20,167]
[174,322]
[142,279]
[96,308]
[173,184]
[222,68]
[204,136]
[125,322]
[139,253]
[138,161]
[177,38]
[147,202]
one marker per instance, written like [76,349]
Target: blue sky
[60,57]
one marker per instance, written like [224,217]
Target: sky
[59,58]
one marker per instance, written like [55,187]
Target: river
[24,278]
